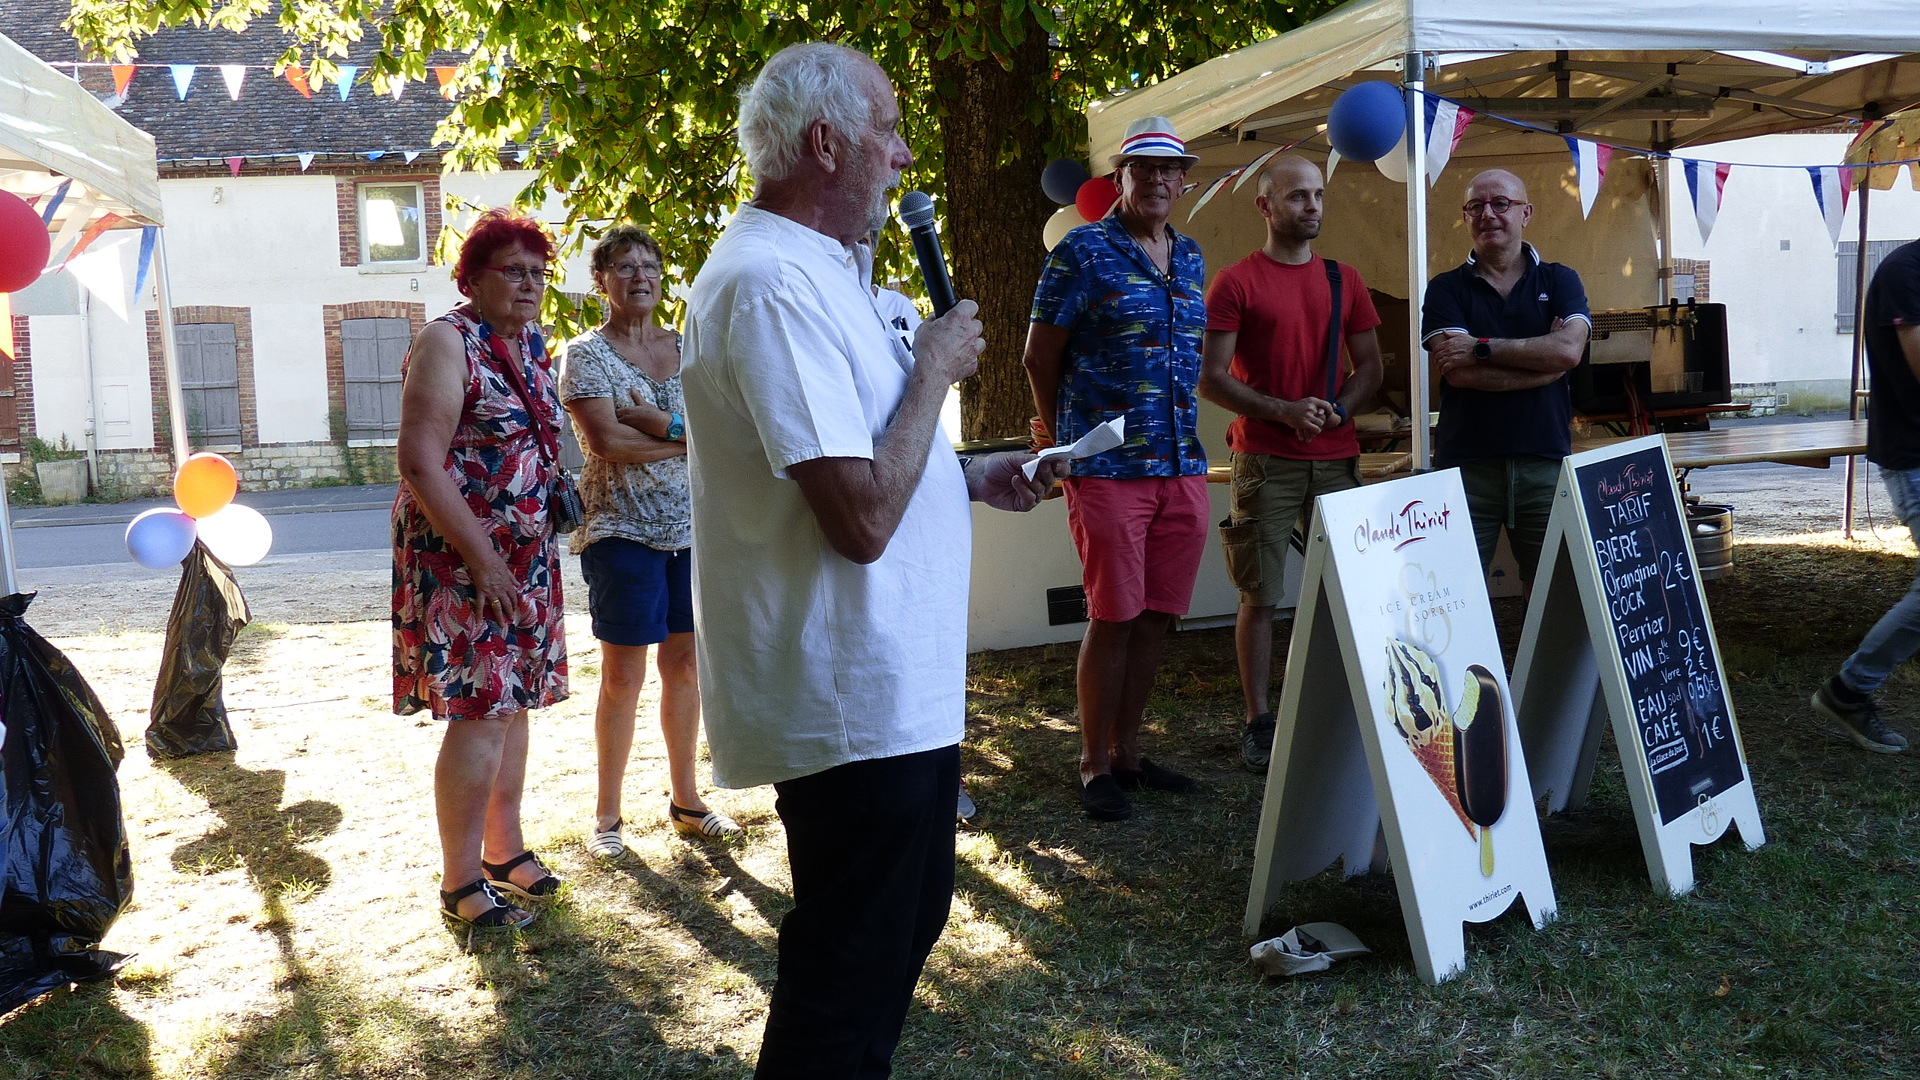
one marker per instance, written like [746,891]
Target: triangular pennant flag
[1446,124]
[297,78]
[410,155]
[445,75]
[122,76]
[347,72]
[233,165]
[105,222]
[77,219]
[376,155]
[1590,165]
[1254,166]
[523,153]
[398,87]
[1832,188]
[1214,189]
[101,274]
[1706,182]
[1333,161]
[53,205]
[234,74]
[182,78]
[148,234]
[306,160]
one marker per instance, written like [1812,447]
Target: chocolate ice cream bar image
[1480,757]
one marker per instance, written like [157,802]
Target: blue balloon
[161,537]
[1061,180]
[1367,120]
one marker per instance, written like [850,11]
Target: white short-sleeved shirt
[807,659]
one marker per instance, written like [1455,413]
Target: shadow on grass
[75,1032]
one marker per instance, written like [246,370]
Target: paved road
[305,522]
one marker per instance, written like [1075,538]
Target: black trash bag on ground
[68,872]
[189,717]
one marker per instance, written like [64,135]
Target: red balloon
[24,243]
[1096,197]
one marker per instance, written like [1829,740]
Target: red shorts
[1140,542]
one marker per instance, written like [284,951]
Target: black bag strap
[1333,329]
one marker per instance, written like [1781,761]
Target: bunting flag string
[148,234]
[1832,187]
[1590,165]
[1447,122]
[1706,183]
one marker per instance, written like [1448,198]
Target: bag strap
[546,436]
[1333,329]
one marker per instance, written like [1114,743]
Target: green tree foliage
[631,106]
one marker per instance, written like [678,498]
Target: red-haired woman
[477,637]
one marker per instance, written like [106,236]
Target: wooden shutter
[1876,251]
[210,379]
[371,351]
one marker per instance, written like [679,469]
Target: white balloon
[1064,220]
[237,535]
[1393,163]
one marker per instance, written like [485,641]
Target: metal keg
[1712,529]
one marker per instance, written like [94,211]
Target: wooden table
[1812,445]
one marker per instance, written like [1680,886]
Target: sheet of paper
[1098,441]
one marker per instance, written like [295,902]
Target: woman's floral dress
[447,658]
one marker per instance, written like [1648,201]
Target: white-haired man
[831,556]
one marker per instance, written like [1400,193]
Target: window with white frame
[393,224]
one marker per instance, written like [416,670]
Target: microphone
[916,213]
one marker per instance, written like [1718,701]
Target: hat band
[1153,144]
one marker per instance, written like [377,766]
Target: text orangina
[1413,523]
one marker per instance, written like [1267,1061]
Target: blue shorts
[637,595]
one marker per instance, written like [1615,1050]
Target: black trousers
[871,846]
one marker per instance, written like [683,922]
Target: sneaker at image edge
[1256,743]
[1859,719]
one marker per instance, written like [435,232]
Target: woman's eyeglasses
[628,270]
[520,275]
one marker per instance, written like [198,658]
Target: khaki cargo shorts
[1271,495]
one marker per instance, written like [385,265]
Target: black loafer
[1155,777]
[1103,799]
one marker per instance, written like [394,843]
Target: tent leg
[1859,348]
[169,360]
[1414,79]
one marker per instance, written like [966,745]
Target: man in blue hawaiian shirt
[1117,322]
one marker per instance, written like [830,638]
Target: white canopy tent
[1633,73]
[53,133]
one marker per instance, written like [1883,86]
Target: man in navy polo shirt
[1505,328]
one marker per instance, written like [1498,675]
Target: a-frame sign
[1618,628]
[1394,724]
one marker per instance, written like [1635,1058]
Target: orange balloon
[205,483]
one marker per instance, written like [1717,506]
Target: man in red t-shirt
[1265,358]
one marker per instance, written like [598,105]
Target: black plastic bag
[68,872]
[189,717]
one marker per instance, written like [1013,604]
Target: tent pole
[1663,217]
[1859,346]
[1413,78]
[169,361]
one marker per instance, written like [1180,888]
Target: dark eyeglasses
[1157,170]
[521,274]
[1499,204]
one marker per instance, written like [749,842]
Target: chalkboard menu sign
[1659,621]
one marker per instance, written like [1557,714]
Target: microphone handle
[933,269]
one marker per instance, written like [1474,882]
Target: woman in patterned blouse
[622,388]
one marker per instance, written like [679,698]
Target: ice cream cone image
[1413,693]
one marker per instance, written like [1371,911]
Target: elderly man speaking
[831,556]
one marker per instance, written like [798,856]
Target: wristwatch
[676,427]
[1483,350]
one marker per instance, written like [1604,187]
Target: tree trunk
[995,215]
